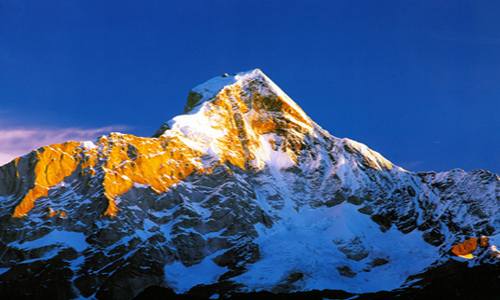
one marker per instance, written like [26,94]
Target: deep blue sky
[417,81]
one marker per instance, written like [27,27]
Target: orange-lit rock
[55,162]
[53,213]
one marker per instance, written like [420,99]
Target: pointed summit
[210,89]
[257,91]
[245,115]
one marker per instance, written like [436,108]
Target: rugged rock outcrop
[244,193]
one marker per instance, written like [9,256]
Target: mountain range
[241,196]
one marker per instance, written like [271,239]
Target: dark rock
[355,250]
[346,271]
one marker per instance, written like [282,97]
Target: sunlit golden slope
[241,123]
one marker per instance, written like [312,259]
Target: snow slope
[309,242]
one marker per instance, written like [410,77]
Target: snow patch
[183,278]
[3,270]
[273,158]
[210,88]
[75,240]
[141,186]
[89,145]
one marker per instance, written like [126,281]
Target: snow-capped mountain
[243,193]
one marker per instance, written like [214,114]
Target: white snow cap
[212,87]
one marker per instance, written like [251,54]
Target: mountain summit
[243,193]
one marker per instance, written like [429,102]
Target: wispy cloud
[15,142]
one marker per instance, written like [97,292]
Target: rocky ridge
[243,193]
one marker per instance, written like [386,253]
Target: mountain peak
[212,87]
[241,182]
[247,108]
[254,81]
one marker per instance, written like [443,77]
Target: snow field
[309,242]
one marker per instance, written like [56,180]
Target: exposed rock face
[243,193]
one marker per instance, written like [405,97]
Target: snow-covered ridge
[211,88]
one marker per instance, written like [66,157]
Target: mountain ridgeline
[241,195]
